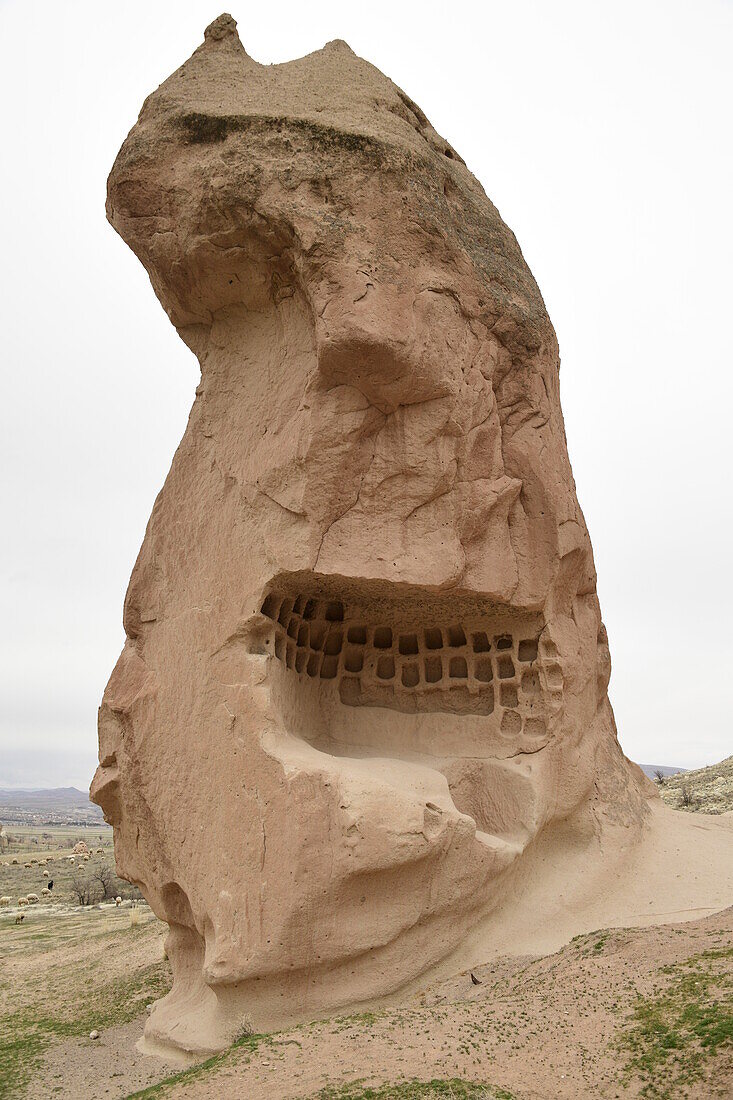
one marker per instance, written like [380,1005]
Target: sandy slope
[681,870]
[546,1029]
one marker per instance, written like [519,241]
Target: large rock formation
[365,665]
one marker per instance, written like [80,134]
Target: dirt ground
[617,1013]
[63,974]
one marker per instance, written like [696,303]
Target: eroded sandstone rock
[365,664]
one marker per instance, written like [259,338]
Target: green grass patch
[19,1054]
[592,943]
[674,1034]
[185,1076]
[455,1089]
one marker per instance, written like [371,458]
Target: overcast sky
[603,134]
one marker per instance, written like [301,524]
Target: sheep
[26,865]
[118,901]
[22,902]
[5,900]
[71,859]
[45,892]
[45,874]
[33,899]
[14,861]
[100,851]
[20,918]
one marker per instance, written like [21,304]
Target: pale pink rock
[365,665]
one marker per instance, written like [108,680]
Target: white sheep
[33,899]
[22,902]
[71,859]
[45,892]
[118,901]
[5,900]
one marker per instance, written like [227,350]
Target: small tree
[659,775]
[84,889]
[104,876]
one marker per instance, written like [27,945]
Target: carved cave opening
[374,653]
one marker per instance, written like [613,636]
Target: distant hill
[55,796]
[55,804]
[651,770]
[706,790]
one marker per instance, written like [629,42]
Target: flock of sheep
[80,850]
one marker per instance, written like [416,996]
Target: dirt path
[98,1069]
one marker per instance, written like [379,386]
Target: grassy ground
[436,1089]
[18,881]
[36,841]
[64,977]
[416,1090]
[683,1025]
[25,869]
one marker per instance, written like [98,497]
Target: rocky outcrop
[705,790]
[365,665]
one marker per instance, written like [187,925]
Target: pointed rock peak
[339,44]
[223,27]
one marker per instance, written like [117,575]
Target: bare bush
[687,796]
[659,776]
[84,889]
[105,878]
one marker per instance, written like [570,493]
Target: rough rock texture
[365,664]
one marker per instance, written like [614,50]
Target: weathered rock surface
[365,665]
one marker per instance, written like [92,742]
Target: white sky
[603,134]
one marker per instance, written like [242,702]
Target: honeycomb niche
[394,656]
